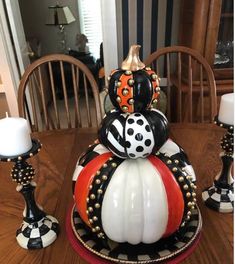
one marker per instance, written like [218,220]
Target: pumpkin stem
[132,61]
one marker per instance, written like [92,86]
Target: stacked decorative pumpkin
[134,184]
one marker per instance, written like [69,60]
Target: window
[90,22]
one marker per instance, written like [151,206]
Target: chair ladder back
[193,79]
[60,87]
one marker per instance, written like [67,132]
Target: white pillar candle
[226,111]
[14,136]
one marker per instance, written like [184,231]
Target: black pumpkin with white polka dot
[134,135]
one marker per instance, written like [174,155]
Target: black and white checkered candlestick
[220,195]
[38,229]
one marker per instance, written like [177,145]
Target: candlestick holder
[220,195]
[38,229]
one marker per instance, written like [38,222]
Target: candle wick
[7,114]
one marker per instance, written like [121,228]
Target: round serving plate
[176,247]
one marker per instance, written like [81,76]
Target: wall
[149,23]
[34,14]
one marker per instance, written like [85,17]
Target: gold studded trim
[185,246]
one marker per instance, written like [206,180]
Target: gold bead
[87,212]
[97,205]
[19,158]
[97,228]
[194,194]
[90,187]
[128,72]
[157,89]
[154,76]
[169,162]
[95,218]
[98,172]
[93,230]
[110,158]
[148,69]
[118,99]
[181,179]
[189,204]
[92,196]
[87,199]
[104,177]
[125,92]
[131,101]
[188,217]
[154,101]
[119,84]
[188,177]
[189,213]
[194,199]
[174,169]
[99,191]
[90,209]
[8,160]
[130,82]
[97,181]
[185,187]
[30,154]
[105,165]
[114,164]
[192,207]
[124,108]
[176,161]
[90,221]
[188,194]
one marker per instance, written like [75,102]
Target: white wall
[34,14]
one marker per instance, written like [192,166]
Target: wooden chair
[189,83]
[58,91]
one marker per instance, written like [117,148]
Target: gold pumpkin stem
[132,61]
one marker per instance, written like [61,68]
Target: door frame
[8,66]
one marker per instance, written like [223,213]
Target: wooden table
[54,167]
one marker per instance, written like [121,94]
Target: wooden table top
[54,166]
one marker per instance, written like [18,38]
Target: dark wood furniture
[189,79]
[40,102]
[204,24]
[54,167]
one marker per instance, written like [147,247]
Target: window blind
[90,21]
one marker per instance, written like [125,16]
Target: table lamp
[60,16]
[220,195]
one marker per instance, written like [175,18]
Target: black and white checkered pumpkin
[134,135]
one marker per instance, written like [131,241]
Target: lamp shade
[59,15]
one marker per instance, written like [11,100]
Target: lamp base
[38,234]
[219,199]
